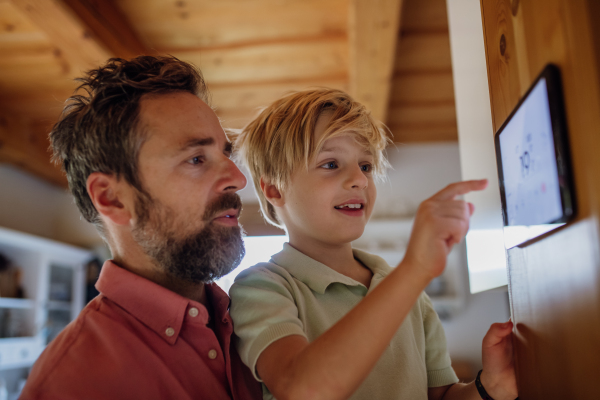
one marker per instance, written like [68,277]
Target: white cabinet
[53,282]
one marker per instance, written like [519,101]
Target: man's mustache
[222,203]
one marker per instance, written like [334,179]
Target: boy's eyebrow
[325,149]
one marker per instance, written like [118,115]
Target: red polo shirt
[138,340]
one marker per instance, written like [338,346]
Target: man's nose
[232,178]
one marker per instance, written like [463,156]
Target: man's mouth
[228,217]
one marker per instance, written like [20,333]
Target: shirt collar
[319,276]
[160,309]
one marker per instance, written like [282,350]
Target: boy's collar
[319,276]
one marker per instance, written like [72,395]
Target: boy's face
[332,201]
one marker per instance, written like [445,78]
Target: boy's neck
[338,257]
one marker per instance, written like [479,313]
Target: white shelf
[37,258]
[20,352]
[8,302]
[57,305]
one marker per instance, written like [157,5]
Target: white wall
[485,245]
[29,204]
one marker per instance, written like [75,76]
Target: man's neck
[133,259]
[338,257]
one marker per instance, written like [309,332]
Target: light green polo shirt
[293,294]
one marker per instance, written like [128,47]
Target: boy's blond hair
[281,138]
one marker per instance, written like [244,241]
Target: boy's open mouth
[353,208]
[350,206]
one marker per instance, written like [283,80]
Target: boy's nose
[357,179]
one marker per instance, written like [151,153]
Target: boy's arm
[498,375]
[336,363]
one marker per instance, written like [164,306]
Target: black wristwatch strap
[481,389]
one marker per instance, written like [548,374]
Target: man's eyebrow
[195,142]
[228,149]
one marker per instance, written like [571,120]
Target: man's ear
[107,195]
[272,193]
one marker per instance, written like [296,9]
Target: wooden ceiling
[393,55]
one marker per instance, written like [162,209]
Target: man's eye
[196,160]
[330,165]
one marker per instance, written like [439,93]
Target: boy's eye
[366,167]
[330,165]
[196,160]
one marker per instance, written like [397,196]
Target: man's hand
[498,376]
[440,223]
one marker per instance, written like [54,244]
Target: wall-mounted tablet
[534,169]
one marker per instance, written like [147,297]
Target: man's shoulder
[78,352]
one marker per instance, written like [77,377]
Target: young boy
[321,320]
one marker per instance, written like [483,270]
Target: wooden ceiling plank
[25,144]
[423,114]
[425,16]
[419,88]
[109,25]
[417,134]
[272,62]
[423,52]
[373,35]
[66,31]
[207,23]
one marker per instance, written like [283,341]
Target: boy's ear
[271,193]
[106,193]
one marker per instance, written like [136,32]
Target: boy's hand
[440,223]
[498,376]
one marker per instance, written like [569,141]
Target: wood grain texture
[25,143]
[373,32]
[316,59]
[554,282]
[172,25]
[67,32]
[110,27]
[501,54]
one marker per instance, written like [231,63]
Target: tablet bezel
[561,145]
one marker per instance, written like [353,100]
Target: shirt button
[212,354]
[193,312]
[170,332]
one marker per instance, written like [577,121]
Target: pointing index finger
[460,188]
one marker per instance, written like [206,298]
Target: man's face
[189,223]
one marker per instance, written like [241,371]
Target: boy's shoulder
[263,271]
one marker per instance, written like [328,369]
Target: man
[149,164]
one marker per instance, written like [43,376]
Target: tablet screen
[531,180]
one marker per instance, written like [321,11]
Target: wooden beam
[25,144]
[373,34]
[67,32]
[109,25]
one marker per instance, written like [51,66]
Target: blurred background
[394,56]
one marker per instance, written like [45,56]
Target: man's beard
[198,257]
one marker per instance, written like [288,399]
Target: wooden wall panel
[554,282]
